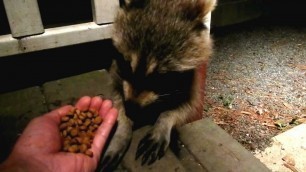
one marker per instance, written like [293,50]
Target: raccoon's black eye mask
[155,81]
[170,81]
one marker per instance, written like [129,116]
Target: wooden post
[104,11]
[55,37]
[24,17]
[207,21]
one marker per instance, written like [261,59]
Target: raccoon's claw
[109,162]
[115,151]
[111,159]
[151,149]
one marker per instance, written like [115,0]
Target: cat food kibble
[78,129]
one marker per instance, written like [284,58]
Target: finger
[106,106]
[83,103]
[103,132]
[95,104]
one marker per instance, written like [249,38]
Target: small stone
[89,153]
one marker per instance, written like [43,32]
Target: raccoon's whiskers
[171,93]
[161,95]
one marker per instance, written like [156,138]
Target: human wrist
[20,165]
[11,166]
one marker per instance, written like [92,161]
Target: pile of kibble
[78,129]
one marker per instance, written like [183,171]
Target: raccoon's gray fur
[160,76]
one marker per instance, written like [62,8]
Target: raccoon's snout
[142,98]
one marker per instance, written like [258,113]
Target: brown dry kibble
[73,148]
[74,132]
[77,130]
[65,119]
[83,127]
[89,153]
[87,122]
[89,114]
[97,120]
[64,133]
[63,126]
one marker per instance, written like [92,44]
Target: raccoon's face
[160,40]
[142,87]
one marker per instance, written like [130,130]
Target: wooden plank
[187,160]
[207,21]
[55,37]
[104,11]
[216,150]
[167,163]
[24,17]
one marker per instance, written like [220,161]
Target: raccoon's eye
[169,82]
[161,80]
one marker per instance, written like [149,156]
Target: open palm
[38,148]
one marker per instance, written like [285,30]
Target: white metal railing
[28,33]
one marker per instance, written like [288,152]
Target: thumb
[103,132]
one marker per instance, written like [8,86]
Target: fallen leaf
[287,105]
[269,125]
[301,120]
[301,67]
[280,124]
[246,113]
[289,159]
[292,168]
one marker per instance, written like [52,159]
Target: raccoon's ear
[197,9]
[128,4]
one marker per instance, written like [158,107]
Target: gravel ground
[256,83]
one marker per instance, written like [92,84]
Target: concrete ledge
[16,110]
[22,105]
[203,146]
[167,163]
[290,145]
[216,150]
[69,90]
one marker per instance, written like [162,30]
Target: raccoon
[159,76]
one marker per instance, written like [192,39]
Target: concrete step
[169,162]
[216,150]
[203,146]
[69,90]
[16,110]
[287,152]
[199,146]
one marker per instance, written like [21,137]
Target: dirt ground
[256,82]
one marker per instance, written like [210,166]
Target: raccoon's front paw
[114,153]
[152,147]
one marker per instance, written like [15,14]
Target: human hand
[39,146]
